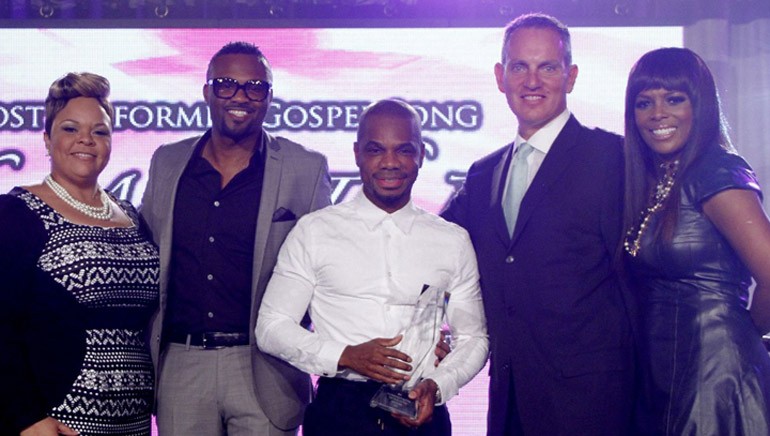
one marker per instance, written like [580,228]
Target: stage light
[622,9]
[389,9]
[162,8]
[46,8]
[506,10]
[276,11]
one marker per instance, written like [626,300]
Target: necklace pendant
[658,199]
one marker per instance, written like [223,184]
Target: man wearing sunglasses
[219,207]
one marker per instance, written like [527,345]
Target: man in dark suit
[219,206]
[559,329]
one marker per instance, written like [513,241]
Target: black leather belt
[210,340]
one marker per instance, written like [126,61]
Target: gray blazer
[296,181]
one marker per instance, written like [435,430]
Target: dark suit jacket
[554,307]
[296,181]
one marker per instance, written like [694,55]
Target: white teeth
[663,132]
[237,113]
[532,97]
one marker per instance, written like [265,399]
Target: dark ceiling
[365,13]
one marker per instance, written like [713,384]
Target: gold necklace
[658,198]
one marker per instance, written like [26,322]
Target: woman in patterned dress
[696,235]
[79,284]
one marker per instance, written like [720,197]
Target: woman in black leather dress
[696,235]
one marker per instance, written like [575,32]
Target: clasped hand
[377,360]
[425,396]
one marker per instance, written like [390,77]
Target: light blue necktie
[517,186]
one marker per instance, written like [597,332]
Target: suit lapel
[170,178]
[267,204]
[499,177]
[554,164]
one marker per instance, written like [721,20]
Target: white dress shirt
[359,270]
[541,141]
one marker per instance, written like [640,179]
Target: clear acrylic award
[419,340]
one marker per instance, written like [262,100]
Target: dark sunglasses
[225,87]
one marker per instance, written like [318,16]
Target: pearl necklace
[662,191]
[103,212]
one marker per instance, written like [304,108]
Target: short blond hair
[73,85]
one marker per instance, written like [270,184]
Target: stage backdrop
[323,80]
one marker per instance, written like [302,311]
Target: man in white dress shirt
[358,268]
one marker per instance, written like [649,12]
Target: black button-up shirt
[212,253]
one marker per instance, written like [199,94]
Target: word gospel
[298,116]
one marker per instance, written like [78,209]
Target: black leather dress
[705,369]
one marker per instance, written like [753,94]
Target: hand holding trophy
[419,339]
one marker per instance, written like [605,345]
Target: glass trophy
[419,340]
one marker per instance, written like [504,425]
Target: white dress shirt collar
[544,138]
[373,216]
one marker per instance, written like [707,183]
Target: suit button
[509,259]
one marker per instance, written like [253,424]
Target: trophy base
[394,400]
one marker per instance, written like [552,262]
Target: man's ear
[499,77]
[571,77]
[356,153]
[205,91]
[422,153]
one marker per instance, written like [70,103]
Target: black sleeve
[718,171]
[456,210]
[22,237]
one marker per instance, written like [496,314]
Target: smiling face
[664,119]
[389,153]
[237,118]
[535,77]
[80,142]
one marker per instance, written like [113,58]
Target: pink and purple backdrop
[323,79]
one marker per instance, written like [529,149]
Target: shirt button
[216,204]
[509,259]
[210,277]
[211,314]
[211,239]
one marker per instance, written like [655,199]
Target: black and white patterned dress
[109,277]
